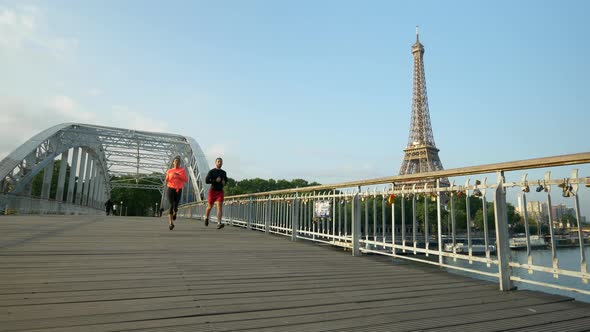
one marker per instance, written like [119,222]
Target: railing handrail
[11,202]
[562,160]
[381,216]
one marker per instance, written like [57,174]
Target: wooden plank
[569,325]
[69,273]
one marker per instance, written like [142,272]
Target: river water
[568,258]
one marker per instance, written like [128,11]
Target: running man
[217,178]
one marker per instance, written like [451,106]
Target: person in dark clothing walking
[175,180]
[217,178]
[108,206]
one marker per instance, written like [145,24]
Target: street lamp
[157,211]
[121,212]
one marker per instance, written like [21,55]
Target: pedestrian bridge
[290,260]
[98,273]
[90,158]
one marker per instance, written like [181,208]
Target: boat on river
[569,240]
[519,242]
[461,246]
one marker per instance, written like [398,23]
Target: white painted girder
[115,151]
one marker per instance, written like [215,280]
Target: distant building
[558,211]
[536,211]
[539,212]
[534,207]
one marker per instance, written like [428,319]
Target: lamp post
[157,211]
[121,212]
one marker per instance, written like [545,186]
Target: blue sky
[319,90]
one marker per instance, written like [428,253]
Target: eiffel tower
[421,154]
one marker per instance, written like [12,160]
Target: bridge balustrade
[383,217]
[12,204]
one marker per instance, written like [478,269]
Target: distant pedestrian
[217,178]
[175,180]
[108,206]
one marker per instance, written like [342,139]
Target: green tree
[257,185]
[37,183]
[513,217]
[515,221]
[569,219]
[136,202]
[460,205]
[367,205]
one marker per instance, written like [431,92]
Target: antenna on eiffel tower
[421,154]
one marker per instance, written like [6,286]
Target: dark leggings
[173,199]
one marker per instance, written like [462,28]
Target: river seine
[568,258]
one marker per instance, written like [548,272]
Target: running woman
[175,180]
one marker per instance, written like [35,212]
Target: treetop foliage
[257,185]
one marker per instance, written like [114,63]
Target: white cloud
[19,122]
[21,32]
[66,108]
[95,92]
[214,151]
[7,17]
[28,22]
[21,119]
[64,104]
[123,117]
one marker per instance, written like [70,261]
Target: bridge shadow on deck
[70,273]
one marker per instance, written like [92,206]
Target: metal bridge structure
[97,157]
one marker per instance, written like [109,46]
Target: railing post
[439,221]
[502,241]
[230,213]
[295,219]
[356,224]
[583,263]
[267,216]
[249,214]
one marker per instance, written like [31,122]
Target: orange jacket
[176,178]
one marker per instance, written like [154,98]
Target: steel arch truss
[96,156]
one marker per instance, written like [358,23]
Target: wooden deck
[68,273]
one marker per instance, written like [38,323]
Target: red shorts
[215,196]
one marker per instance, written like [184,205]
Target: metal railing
[14,204]
[430,218]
